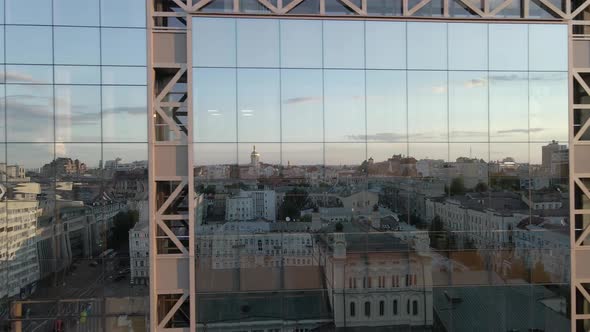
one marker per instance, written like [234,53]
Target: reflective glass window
[77,113]
[76,12]
[548,108]
[29,110]
[29,74]
[302,154]
[215,105]
[386,45]
[214,154]
[344,44]
[341,154]
[548,47]
[29,45]
[509,109]
[386,106]
[344,104]
[258,43]
[2,118]
[28,12]
[2,43]
[124,113]
[468,106]
[302,105]
[122,13]
[427,106]
[123,46]
[77,74]
[258,105]
[427,45]
[508,46]
[31,156]
[301,44]
[87,153]
[118,75]
[76,46]
[214,42]
[468,46]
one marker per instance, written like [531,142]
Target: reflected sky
[462,83]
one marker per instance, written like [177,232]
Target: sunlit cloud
[439,89]
[475,83]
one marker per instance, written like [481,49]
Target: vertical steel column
[171,192]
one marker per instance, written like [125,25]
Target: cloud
[16,77]
[378,137]
[475,83]
[521,131]
[439,89]
[302,100]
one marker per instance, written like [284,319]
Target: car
[93,264]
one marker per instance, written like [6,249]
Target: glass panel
[2,119]
[302,105]
[29,74]
[468,46]
[258,43]
[74,160]
[384,7]
[301,44]
[258,159]
[29,45]
[344,105]
[124,75]
[387,112]
[259,105]
[2,43]
[215,105]
[385,159]
[344,156]
[509,114]
[77,114]
[508,46]
[427,45]
[28,12]
[296,155]
[124,113]
[219,6]
[469,161]
[29,111]
[123,47]
[427,106]
[76,12]
[76,46]
[386,45]
[211,155]
[344,44]
[548,47]
[122,13]
[77,75]
[214,42]
[124,156]
[31,157]
[548,106]
[468,106]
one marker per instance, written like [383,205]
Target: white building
[251,205]
[139,253]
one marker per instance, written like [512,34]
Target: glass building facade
[303,165]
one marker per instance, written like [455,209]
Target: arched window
[368,309]
[352,309]
[415,308]
[381,308]
[395,307]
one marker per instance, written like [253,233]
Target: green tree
[295,200]
[481,187]
[457,186]
[122,223]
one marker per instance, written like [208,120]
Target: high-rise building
[294,165]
